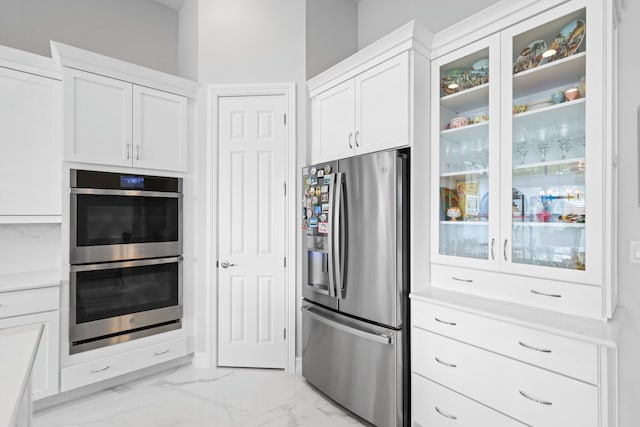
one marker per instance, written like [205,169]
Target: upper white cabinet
[523,164]
[30,131]
[366,103]
[98,119]
[113,122]
[121,114]
[160,130]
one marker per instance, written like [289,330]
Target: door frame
[214,94]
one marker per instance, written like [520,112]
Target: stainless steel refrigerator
[355,284]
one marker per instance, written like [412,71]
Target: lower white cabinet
[46,366]
[123,363]
[434,405]
[485,368]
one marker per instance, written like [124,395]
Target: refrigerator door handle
[379,338]
[335,236]
[331,241]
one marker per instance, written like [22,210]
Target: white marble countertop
[29,280]
[599,332]
[19,347]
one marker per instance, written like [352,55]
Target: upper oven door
[114,225]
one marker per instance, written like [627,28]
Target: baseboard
[76,393]
[299,365]
[201,360]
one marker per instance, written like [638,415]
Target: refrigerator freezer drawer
[356,364]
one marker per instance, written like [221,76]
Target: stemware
[521,145]
[563,138]
[543,143]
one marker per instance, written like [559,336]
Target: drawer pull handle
[97,371]
[533,399]
[160,353]
[461,280]
[533,291]
[444,414]
[541,350]
[445,322]
[450,365]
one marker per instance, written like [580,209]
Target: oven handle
[129,193]
[125,264]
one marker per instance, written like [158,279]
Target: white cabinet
[382,106]
[522,205]
[114,122]
[30,131]
[333,122]
[37,306]
[538,369]
[369,112]
[97,119]
[160,130]
[112,366]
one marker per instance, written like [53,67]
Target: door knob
[226,264]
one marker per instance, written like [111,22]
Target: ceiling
[173,4]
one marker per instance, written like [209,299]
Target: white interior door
[251,219]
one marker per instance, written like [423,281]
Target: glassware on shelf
[563,138]
[521,145]
[543,143]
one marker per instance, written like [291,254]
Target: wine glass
[563,138]
[521,145]
[543,143]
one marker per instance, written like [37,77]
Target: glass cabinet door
[464,153]
[544,156]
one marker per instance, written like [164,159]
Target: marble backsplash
[29,247]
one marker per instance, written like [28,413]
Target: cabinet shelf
[564,107]
[551,167]
[467,100]
[550,224]
[553,74]
[456,133]
[471,223]
[465,173]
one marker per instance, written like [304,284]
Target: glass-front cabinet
[522,162]
[466,145]
[552,156]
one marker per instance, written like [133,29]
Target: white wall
[332,33]
[629,214]
[188,40]
[140,31]
[377,18]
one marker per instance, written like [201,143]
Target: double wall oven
[125,256]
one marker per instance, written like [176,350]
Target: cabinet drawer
[434,405]
[110,367]
[563,297]
[29,301]
[532,395]
[564,355]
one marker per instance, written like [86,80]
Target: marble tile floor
[190,397]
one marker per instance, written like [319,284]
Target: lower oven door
[355,363]
[112,298]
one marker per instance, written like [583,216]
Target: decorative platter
[569,39]
[530,57]
[541,103]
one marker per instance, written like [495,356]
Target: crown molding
[409,36]
[73,57]
[29,63]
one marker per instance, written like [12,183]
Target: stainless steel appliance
[123,216]
[355,284]
[118,301]
[126,257]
